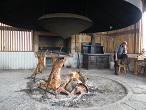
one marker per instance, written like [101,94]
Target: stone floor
[11,99]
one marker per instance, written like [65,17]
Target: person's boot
[116,71]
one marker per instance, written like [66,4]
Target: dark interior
[105,14]
[54,44]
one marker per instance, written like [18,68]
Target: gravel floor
[15,94]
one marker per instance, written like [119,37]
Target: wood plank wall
[110,39]
[15,39]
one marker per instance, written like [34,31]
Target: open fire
[72,89]
[100,91]
[75,84]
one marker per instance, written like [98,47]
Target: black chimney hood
[106,14]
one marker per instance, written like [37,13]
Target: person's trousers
[116,62]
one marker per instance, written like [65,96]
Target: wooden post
[134,38]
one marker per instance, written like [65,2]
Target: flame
[75,75]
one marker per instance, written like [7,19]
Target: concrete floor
[12,99]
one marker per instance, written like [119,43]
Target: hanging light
[64,24]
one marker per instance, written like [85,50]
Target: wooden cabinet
[96,61]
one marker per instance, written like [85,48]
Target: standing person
[120,53]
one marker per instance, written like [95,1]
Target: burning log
[68,86]
[40,66]
[74,84]
[80,76]
[73,87]
[80,88]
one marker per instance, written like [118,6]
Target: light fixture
[64,24]
[111,27]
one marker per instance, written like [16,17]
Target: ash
[101,91]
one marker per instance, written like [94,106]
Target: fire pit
[72,89]
[100,91]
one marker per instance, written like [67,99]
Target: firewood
[82,77]
[70,85]
[80,88]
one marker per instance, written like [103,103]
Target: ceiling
[104,13]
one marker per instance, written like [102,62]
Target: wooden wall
[14,39]
[110,39]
